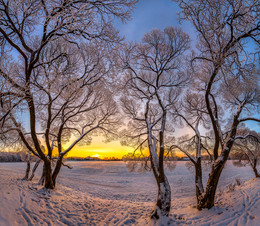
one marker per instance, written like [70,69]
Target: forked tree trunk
[57,170]
[28,166]
[208,199]
[163,203]
[48,182]
[34,169]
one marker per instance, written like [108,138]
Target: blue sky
[151,14]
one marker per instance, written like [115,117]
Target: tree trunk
[57,169]
[41,181]
[256,173]
[198,181]
[163,203]
[28,167]
[48,174]
[34,169]
[208,199]
[255,169]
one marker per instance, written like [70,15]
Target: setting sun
[99,148]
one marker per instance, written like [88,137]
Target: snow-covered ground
[105,193]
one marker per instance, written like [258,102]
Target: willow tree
[228,71]
[27,27]
[71,102]
[153,75]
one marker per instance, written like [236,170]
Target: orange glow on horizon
[102,150]
[111,149]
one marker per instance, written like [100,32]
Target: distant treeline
[93,159]
[11,156]
[131,157]
[20,157]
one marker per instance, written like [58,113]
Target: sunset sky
[149,14]
[100,149]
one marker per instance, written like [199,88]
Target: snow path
[239,207]
[105,193]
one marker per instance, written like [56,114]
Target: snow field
[105,193]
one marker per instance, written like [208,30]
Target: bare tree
[153,76]
[192,112]
[246,150]
[224,30]
[26,29]
[70,100]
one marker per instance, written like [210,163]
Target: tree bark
[198,181]
[57,170]
[255,169]
[256,173]
[28,167]
[163,203]
[48,174]
[208,199]
[34,169]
